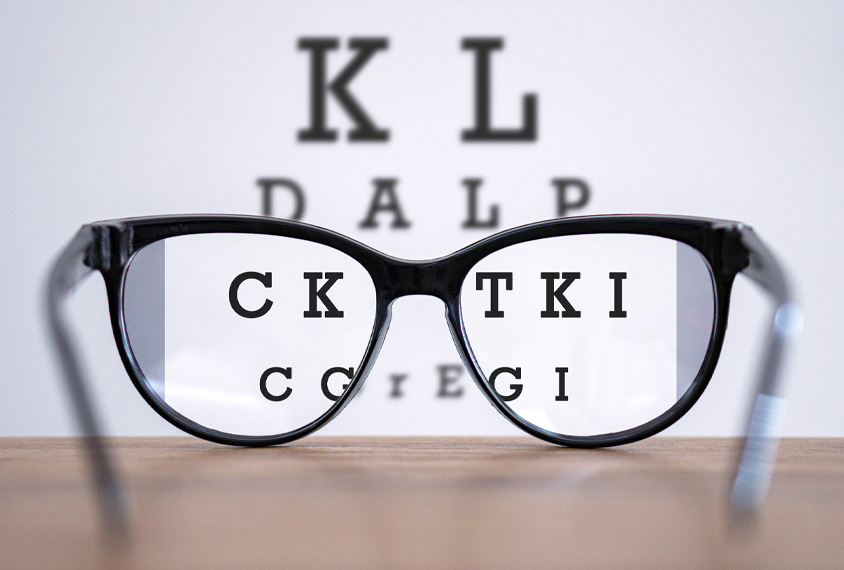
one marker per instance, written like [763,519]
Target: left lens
[246,334]
[590,335]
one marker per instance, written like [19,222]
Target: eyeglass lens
[247,334]
[590,334]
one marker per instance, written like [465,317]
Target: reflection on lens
[590,334]
[247,334]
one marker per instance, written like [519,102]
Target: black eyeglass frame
[728,247]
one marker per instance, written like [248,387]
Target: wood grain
[421,503]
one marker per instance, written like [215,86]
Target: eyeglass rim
[718,241]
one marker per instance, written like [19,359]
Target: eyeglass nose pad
[451,317]
[382,325]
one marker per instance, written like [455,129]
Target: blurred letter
[483,130]
[449,374]
[472,186]
[397,379]
[365,130]
[563,203]
[385,187]
[267,186]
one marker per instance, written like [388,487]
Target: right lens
[247,334]
[588,335]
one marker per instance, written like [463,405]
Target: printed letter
[449,375]
[472,186]
[483,130]
[563,203]
[397,379]
[265,279]
[558,293]
[365,129]
[561,397]
[322,294]
[385,187]
[347,372]
[618,312]
[287,373]
[267,186]
[517,388]
[493,311]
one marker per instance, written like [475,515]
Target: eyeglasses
[584,332]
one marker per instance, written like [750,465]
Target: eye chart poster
[419,128]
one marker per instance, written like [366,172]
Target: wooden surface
[421,503]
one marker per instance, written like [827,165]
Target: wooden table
[420,503]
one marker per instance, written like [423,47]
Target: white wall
[722,109]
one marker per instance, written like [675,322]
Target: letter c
[265,279]
[287,373]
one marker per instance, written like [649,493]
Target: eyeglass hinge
[106,249]
[734,255]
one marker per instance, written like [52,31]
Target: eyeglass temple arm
[72,266]
[767,411]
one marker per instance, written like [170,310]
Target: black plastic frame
[728,247]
